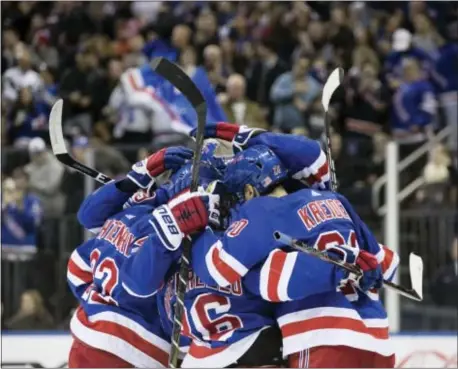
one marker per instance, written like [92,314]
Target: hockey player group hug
[251,300]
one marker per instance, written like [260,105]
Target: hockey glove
[143,173]
[237,134]
[191,210]
[219,210]
[372,273]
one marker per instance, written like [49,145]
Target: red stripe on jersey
[223,268]
[317,177]
[125,334]
[308,325]
[74,269]
[276,266]
[200,352]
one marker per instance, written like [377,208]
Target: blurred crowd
[267,63]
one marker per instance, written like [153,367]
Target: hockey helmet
[257,166]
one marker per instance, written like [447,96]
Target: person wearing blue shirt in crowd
[401,49]
[445,78]
[413,111]
[21,215]
[27,118]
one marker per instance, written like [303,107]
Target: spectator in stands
[363,52]
[413,113]
[238,107]
[79,87]
[32,314]
[21,216]
[20,76]
[206,32]
[216,71]
[445,76]
[293,94]
[262,74]
[425,36]
[402,48]
[366,102]
[341,37]
[45,175]
[41,41]
[50,87]
[27,118]
[10,40]
[445,282]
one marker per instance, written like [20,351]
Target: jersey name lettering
[116,232]
[319,211]
[196,283]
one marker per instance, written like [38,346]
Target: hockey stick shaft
[301,246]
[186,86]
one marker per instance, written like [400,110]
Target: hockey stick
[60,150]
[186,86]
[334,80]
[415,262]
[415,267]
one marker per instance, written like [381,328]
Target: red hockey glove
[190,211]
[235,133]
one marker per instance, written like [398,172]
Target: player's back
[320,219]
[347,316]
[223,322]
[109,317]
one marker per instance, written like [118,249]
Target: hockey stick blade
[334,80]
[59,148]
[180,80]
[416,267]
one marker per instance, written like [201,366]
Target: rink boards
[50,350]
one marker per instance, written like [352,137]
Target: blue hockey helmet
[257,166]
[181,179]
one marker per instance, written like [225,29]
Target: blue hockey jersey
[115,277]
[320,219]
[224,322]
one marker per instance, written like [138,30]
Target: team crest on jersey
[237,227]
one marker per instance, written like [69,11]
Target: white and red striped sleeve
[79,272]
[317,174]
[286,276]
[224,268]
[275,276]
[389,261]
